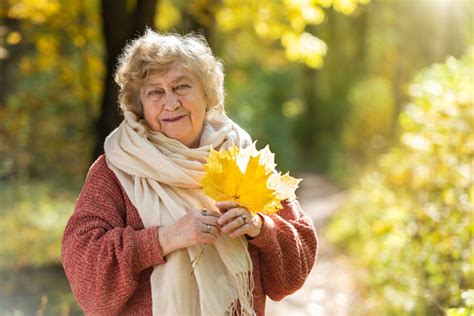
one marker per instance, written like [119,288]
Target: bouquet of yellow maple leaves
[247,177]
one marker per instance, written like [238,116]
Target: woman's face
[174,104]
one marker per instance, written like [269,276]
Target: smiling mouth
[173,119]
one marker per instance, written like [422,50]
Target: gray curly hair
[155,53]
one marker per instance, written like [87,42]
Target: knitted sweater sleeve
[101,255]
[287,246]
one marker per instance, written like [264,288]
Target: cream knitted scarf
[162,177]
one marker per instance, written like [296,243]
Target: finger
[215,232]
[242,230]
[226,205]
[211,220]
[210,235]
[210,228]
[213,213]
[230,215]
[232,225]
[199,212]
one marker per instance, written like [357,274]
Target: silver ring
[244,218]
[204,212]
[208,228]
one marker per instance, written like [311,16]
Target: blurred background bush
[375,95]
[408,222]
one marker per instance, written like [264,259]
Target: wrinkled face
[174,104]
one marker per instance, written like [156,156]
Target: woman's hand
[198,226]
[237,221]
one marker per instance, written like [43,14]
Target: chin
[176,137]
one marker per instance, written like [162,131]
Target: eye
[155,92]
[182,88]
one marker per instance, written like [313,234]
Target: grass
[33,215]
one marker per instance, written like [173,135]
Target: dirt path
[329,289]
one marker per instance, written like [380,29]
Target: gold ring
[244,218]
[204,212]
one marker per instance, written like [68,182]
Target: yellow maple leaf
[248,177]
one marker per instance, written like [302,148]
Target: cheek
[151,117]
[199,111]
[198,117]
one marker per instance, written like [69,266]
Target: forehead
[171,75]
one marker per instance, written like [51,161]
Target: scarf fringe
[243,305]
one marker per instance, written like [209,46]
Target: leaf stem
[195,261]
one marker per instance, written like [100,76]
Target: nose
[171,102]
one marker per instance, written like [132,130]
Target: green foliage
[54,66]
[368,125]
[285,23]
[33,217]
[381,46]
[468,305]
[36,291]
[258,101]
[408,222]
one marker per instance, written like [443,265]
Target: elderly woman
[142,217]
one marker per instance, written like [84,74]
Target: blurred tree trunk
[10,56]
[361,28]
[120,23]
[310,127]
[325,90]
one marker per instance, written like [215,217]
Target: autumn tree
[120,23]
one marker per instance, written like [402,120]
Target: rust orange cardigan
[108,255]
